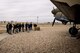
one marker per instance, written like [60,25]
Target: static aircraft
[59,16]
[71,9]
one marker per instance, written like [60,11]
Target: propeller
[53,22]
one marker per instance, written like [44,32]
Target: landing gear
[73,30]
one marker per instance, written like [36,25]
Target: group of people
[15,28]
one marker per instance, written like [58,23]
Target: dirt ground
[48,40]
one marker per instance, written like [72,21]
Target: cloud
[19,8]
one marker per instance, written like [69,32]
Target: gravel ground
[49,40]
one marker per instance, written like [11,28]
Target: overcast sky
[26,10]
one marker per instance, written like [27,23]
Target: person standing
[19,27]
[7,28]
[22,27]
[26,26]
[13,28]
[30,26]
[10,28]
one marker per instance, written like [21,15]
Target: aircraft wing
[65,9]
[70,2]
